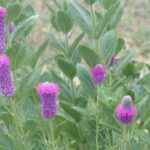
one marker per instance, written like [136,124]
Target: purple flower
[126,111]
[6,83]
[11,27]
[48,94]
[3,13]
[98,74]
[113,61]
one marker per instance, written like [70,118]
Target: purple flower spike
[3,13]
[98,74]
[126,111]
[113,61]
[48,94]
[11,27]
[6,83]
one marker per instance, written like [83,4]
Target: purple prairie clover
[6,82]
[48,94]
[3,13]
[126,111]
[98,74]
[113,61]
[11,27]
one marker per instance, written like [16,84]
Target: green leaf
[86,80]
[81,16]
[17,54]
[120,45]
[116,17]
[67,68]
[74,113]
[28,109]
[76,58]
[76,43]
[53,40]
[89,55]
[28,11]
[6,142]
[107,3]
[14,11]
[53,22]
[90,2]
[124,61]
[108,44]
[129,70]
[148,66]
[64,88]
[63,21]
[23,27]
[106,20]
[112,127]
[37,54]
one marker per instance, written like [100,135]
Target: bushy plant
[91,69]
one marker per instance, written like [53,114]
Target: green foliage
[83,37]
[23,27]
[14,11]
[63,21]
[82,16]
[108,44]
[68,69]
[90,2]
[89,55]
[86,80]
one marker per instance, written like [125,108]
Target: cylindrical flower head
[98,74]
[48,94]
[11,27]
[6,82]
[3,13]
[126,111]
[113,61]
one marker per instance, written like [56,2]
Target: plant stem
[73,90]
[52,135]
[124,138]
[67,44]
[97,121]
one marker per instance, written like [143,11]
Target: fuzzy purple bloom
[113,61]
[11,27]
[3,13]
[48,94]
[126,111]
[6,82]
[98,74]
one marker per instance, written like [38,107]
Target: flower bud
[98,74]
[126,111]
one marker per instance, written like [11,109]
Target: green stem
[67,44]
[53,142]
[124,138]
[97,120]
[73,90]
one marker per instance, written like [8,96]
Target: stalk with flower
[125,112]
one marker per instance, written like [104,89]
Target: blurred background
[134,26]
